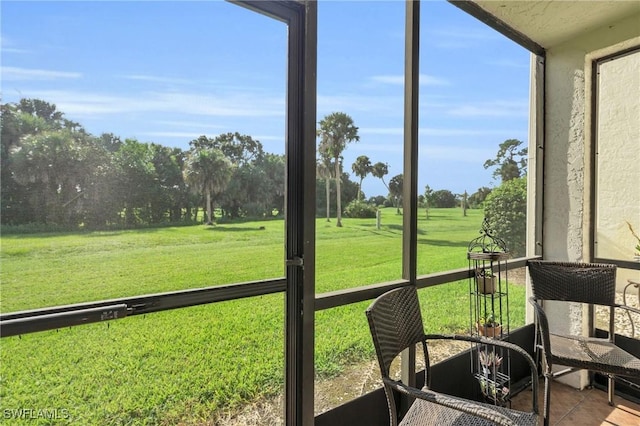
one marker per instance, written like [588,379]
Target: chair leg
[611,389]
[547,396]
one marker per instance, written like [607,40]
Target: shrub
[505,208]
[360,210]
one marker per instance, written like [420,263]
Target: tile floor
[588,407]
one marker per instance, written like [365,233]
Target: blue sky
[167,72]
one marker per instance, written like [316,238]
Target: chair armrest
[457,404]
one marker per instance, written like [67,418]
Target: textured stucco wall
[567,175]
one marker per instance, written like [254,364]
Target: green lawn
[186,365]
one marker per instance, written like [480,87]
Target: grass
[188,365]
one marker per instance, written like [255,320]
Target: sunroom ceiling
[552,22]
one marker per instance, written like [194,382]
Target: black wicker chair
[584,283]
[396,324]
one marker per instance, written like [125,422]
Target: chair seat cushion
[593,354]
[426,413]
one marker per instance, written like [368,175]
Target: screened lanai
[583,142]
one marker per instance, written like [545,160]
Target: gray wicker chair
[396,324]
[584,283]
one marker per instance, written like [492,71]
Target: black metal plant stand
[489,314]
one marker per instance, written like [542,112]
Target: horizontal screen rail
[17,326]
[30,321]
[626,264]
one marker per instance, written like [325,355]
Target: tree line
[55,172]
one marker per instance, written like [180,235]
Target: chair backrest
[573,282]
[395,323]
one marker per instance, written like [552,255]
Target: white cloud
[186,135]
[189,124]
[156,79]
[427,152]
[509,63]
[457,153]
[263,138]
[492,109]
[7,46]
[389,105]
[14,50]
[87,104]
[15,73]
[425,80]
[431,131]
[461,38]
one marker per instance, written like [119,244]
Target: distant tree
[477,198]
[506,211]
[362,167]
[14,200]
[56,166]
[245,193]
[109,142]
[349,193]
[510,161]
[360,209]
[25,119]
[169,187]
[39,116]
[336,131]
[136,180]
[428,198]
[444,198]
[324,170]
[256,189]
[395,190]
[273,169]
[207,171]
[239,149]
[377,200]
[380,170]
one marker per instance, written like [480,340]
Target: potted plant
[493,390]
[489,361]
[485,281]
[489,327]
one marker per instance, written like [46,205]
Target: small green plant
[490,321]
[493,391]
[485,272]
[360,210]
[489,359]
[637,248]
[489,327]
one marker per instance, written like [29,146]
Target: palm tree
[323,168]
[362,167]
[380,170]
[336,131]
[207,171]
[395,190]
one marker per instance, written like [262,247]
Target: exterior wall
[567,174]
